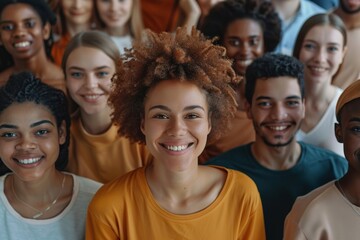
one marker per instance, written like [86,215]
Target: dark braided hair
[224,13]
[46,15]
[25,87]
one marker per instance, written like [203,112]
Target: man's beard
[268,143]
[347,10]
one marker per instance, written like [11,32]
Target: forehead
[88,57]
[175,93]
[277,88]
[18,10]
[350,110]
[25,113]
[244,26]
[325,33]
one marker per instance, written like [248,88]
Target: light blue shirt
[291,29]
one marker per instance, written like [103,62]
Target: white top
[323,213]
[323,134]
[68,225]
[122,42]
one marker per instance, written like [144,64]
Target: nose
[244,49]
[19,31]
[26,143]
[176,127]
[321,55]
[91,81]
[278,112]
[77,3]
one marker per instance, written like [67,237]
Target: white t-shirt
[68,225]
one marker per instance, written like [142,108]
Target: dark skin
[348,133]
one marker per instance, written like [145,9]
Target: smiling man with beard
[349,12]
[281,167]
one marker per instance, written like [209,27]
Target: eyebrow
[268,98]
[331,43]
[97,68]
[354,119]
[31,125]
[162,107]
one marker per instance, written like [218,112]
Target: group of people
[111,131]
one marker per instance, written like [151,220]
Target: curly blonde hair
[166,56]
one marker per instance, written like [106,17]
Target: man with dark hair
[281,167]
[349,12]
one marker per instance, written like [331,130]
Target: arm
[190,12]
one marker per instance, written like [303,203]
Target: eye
[7,26]
[293,103]
[234,42]
[332,49]
[160,116]
[264,104]
[309,46]
[254,41]
[192,116]
[42,132]
[356,129]
[76,74]
[30,23]
[8,135]
[102,74]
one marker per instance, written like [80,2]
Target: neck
[96,123]
[276,158]
[286,9]
[38,192]
[73,30]
[34,64]
[319,92]
[351,20]
[118,31]
[350,187]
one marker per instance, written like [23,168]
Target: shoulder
[5,75]
[229,156]
[310,151]
[119,189]
[87,185]
[311,7]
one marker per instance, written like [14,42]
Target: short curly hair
[165,56]
[225,12]
[273,65]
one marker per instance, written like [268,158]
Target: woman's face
[244,42]
[22,32]
[114,13]
[322,52]
[77,12]
[30,140]
[88,79]
[176,124]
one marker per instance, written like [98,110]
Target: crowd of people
[179,119]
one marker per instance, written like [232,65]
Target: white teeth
[22,44]
[244,62]
[29,160]
[318,69]
[278,128]
[92,97]
[176,148]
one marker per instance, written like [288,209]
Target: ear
[142,126]
[344,53]
[46,31]
[62,132]
[210,123]
[247,107]
[338,132]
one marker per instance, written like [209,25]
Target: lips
[28,161]
[23,44]
[177,148]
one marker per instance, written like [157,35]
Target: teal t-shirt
[279,189]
